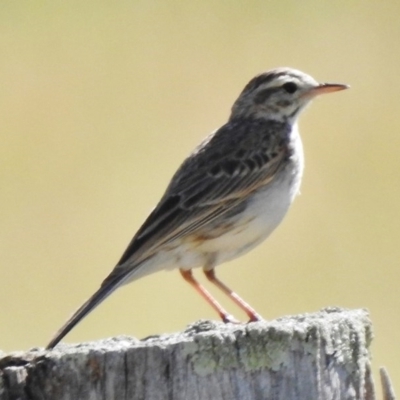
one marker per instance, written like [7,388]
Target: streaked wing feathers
[215,178]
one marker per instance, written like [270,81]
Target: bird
[227,196]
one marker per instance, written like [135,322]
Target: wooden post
[316,356]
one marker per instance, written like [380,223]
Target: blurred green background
[100,101]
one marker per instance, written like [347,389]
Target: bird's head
[280,94]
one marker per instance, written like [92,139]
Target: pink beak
[325,88]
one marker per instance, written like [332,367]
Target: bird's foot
[227,318]
[254,317]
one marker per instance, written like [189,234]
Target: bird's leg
[253,315]
[225,316]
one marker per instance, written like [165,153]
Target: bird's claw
[227,318]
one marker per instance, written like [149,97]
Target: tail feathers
[108,287]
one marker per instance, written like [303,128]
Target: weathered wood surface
[387,388]
[317,356]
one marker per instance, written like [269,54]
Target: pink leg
[225,316]
[253,315]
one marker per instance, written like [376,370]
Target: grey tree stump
[317,356]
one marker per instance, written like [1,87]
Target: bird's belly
[227,238]
[239,234]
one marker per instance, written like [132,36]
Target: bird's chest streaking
[251,221]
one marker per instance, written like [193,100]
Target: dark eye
[290,87]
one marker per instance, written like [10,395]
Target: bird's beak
[325,88]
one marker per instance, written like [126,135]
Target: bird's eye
[290,87]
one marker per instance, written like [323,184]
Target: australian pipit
[227,196]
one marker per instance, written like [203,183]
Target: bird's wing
[208,184]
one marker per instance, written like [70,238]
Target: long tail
[109,285]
